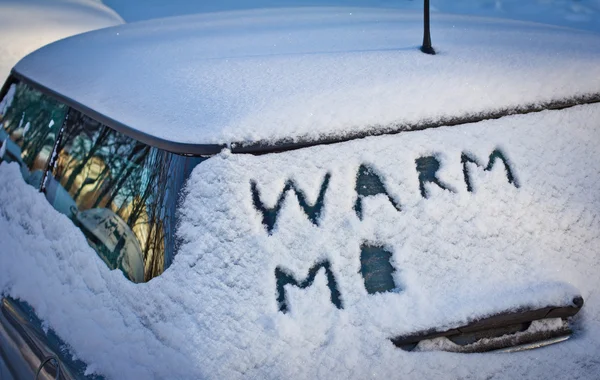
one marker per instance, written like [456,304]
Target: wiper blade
[508,331]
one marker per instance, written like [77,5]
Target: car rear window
[30,123]
[121,193]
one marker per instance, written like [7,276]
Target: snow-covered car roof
[26,25]
[267,77]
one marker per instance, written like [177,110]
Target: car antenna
[426,47]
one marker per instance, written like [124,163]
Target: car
[303,193]
[27,25]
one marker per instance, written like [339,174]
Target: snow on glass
[377,274]
[502,214]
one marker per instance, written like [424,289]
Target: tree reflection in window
[121,193]
[30,122]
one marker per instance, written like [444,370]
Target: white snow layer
[26,25]
[268,75]
[458,255]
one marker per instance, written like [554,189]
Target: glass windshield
[30,123]
[121,193]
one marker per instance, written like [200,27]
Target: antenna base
[427,50]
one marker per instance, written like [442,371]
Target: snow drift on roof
[489,242]
[306,74]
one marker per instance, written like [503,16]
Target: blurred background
[582,14]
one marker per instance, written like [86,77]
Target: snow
[458,255]
[6,102]
[26,25]
[305,74]
[3,147]
[581,14]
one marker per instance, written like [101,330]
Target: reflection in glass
[29,124]
[121,193]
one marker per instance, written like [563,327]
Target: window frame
[182,149]
[52,161]
[286,144]
[9,82]
[13,80]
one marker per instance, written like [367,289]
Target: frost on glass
[497,155]
[376,269]
[368,183]
[270,214]
[284,278]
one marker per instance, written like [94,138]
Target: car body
[309,195]
[30,24]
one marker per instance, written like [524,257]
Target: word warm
[376,267]
[369,183]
